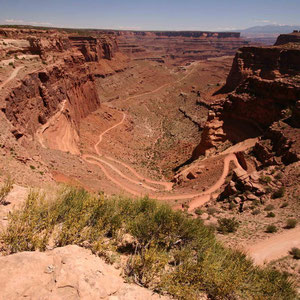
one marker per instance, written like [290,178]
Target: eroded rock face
[264,88]
[65,82]
[70,272]
[263,62]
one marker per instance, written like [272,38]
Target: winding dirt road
[11,77]
[103,160]
[197,198]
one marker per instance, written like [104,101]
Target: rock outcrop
[70,272]
[263,87]
[288,38]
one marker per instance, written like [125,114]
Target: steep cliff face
[264,88]
[63,91]
[95,49]
[265,63]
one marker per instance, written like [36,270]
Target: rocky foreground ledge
[69,272]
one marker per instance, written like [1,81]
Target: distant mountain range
[269,30]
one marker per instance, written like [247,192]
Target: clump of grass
[271,229]
[5,189]
[172,253]
[278,193]
[270,215]
[295,252]
[291,223]
[227,225]
[284,204]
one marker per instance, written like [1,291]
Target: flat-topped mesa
[288,38]
[195,34]
[178,47]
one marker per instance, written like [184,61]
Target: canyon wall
[264,89]
[178,47]
[62,86]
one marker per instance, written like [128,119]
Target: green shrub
[270,215]
[172,253]
[284,204]
[32,167]
[198,211]
[265,179]
[278,193]
[291,223]
[5,189]
[227,225]
[271,229]
[269,207]
[295,252]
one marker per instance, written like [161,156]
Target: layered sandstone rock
[70,272]
[178,47]
[51,101]
[264,88]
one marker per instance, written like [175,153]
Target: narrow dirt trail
[274,247]
[11,77]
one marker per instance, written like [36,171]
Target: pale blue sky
[152,14]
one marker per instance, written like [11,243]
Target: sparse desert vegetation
[271,229]
[168,251]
